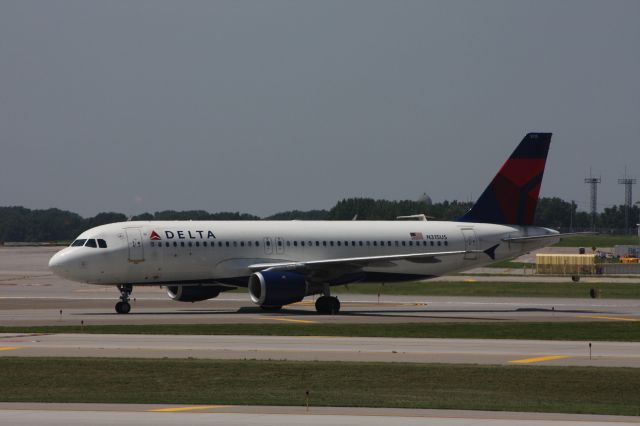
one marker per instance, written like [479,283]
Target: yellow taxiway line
[289,320]
[178,409]
[608,318]
[9,348]
[538,359]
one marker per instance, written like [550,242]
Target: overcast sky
[264,106]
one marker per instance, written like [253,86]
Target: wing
[357,262]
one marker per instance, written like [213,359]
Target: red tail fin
[512,196]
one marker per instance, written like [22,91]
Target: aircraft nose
[60,264]
[56,263]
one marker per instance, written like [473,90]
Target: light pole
[638,224]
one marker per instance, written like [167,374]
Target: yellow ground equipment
[566,264]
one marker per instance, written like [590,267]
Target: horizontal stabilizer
[545,237]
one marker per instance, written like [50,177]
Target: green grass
[171,381]
[582,331]
[598,241]
[497,289]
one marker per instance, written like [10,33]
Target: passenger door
[470,243]
[136,250]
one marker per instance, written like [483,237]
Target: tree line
[21,224]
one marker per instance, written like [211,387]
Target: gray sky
[264,106]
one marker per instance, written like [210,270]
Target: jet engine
[275,289]
[193,293]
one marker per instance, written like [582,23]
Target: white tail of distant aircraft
[281,262]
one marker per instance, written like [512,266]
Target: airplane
[282,262]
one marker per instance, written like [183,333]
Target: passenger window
[346,243]
[431,243]
[181,243]
[249,243]
[404,243]
[91,243]
[78,243]
[288,243]
[360,243]
[446,243]
[268,243]
[353,243]
[302,243]
[338,243]
[175,244]
[439,242]
[331,243]
[317,243]
[396,243]
[295,244]
[368,243]
[242,243]
[166,244]
[190,244]
[324,243]
[102,243]
[279,243]
[197,243]
[235,244]
[204,244]
[226,243]
[152,244]
[257,243]
[375,243]
[219,243]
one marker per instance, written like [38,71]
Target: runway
[317,348]
[19,414]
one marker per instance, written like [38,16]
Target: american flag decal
[416,236]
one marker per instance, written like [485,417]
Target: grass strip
[497,289]
[598,241]
[581,331]
[190,381]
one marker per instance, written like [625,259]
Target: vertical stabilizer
[512,196]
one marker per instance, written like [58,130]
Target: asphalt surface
[316,348]
[19,414]
[31,295]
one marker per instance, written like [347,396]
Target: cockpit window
[78,243]
[91,243]
[102,243]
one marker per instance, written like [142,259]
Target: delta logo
[182,235]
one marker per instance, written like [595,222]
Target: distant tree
[300,215]
[143,216]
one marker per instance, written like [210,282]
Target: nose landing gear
[123,307]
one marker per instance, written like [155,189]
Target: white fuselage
[183,252]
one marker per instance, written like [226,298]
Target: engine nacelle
[273,288]
[193,293]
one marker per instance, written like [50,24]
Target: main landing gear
[327,304]
[123,306]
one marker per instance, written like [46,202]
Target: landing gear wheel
[270,308]
[327,305]
[123,307]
